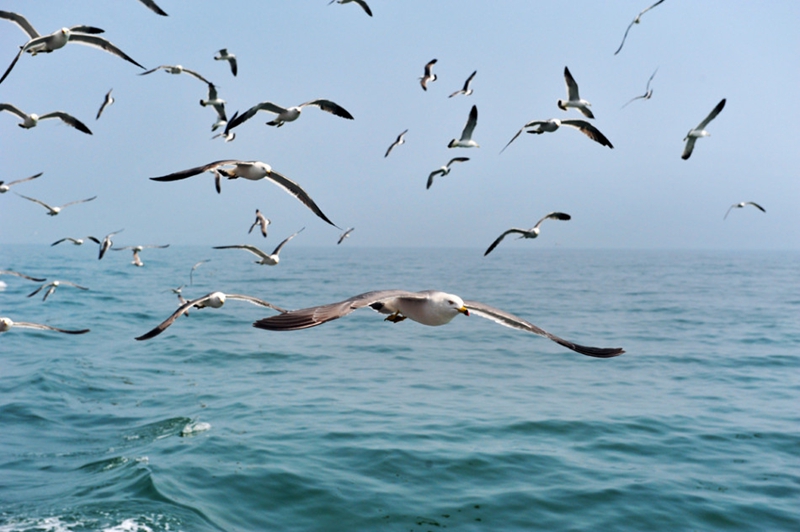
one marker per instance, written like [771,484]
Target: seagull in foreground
[137,261]
[288,114]
[22,275]
[153,7]
[270,259]
[444,170]
[177,69]
[573,98]
[262,221]
[533,232]
[75,241]
[106,243]
[548,126]
[466,91]
[197,264]
[742,205]
[344,235]
[55,210]
[400,140]
[648,93]
[213,300]
[224,55]
[252,170]
[635,21]
[466,135]
[428,77]
[7,323]
[362,3]
[108,100]
[30,120]
[430,307]
[700,131]
[5,187]
[53,285]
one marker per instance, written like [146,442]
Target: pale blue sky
[638,195]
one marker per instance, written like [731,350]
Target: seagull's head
[453,304]
[5,324]
[215,300]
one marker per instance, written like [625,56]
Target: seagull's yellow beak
[464,311]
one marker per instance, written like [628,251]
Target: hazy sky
[638,195]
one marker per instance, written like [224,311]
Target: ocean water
[361,424]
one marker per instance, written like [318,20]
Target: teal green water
[361,424]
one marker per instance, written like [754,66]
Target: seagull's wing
[197,75]
[183,174]
[472,121]
[108,100]
[729,210]
[38,290]
[632,99]
[20,21]
[512,139]
[625,36]
[572,87]
[70,283]
[255,301]
[153,7]
[429,67]
[647,89]
[184,308]
[589,130]
[28,325]
[469,80]
[432,175]
[57,242]
[160,67]
[23,180]
[67,119]
[687,150]
[457,160]
[297,191]
[238,119]
[79,201]
[364,6]
[277,250]
[43,204]
[11,66]
[509,320]
[553,216]
[645,10]
[330,107]
[234,65]
[12,109]
[501,237]
[94,239]
[252,249]
[712,115]
[756,205]
[11,272]
[103,44]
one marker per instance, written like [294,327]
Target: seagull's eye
[451,302]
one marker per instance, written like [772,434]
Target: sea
[361,424]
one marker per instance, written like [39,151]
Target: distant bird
[742,205]
[262,221]
[22,275]
[700,131]
[227,137]
[573,98]
[177,69]
[648,93]
[30,120]
[635,21]
[549,126]
[52,288]
[75,241]
[444,170]
[108,100]
[213,300]
[197,264]
[430,307]
[6,324]
[428,77]
[214,101]
[137,261]
[270,259]
[362,3]
[344,235]
[55,210]
[533,232]
[466,135]
[224,55]
[288,114]
[400,140]
[466,91]
[106,243]
[153,7]
[5,187]
[252,170]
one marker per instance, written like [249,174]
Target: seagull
[197,264]
[137,261]
[573,98]
[742,205]
[213,300]
[466,91]
[362,3]
[153,7]
[30,120]
[466,135]
[55,210]
[548,126]
[289,114]
[700,131]
[648,93]
[269,259]
[533,232]
[400,140]
[428,77]
[444,170]
[430,307]
[108,100]
[344,235]
[635,21]
[262,221]
[106,243]
[252,170]
[53,285]
[75,241]
[22,275]
[5,187]
[7,323]
[224,55]
[177,69]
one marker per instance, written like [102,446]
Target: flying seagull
[22,275]
[197,264]
[106,243]
[742,205]
[75,241]
[52,288]
[466,91]
[428,77]
[224,55]
[177,69]
[213,300]
[648,92]
[466,135]
[548,126]
[430,307]
[262,221]
[7,323]
[533,232]
[30,120]
[55,210]
[444,170]
[270,259]
[288,114]
[137,261]
[108,100]
[635,21]
[362,3]
[344,235]
[700,131]
[573,98]
[400,140]
[153,7]
[252,170]
[5,187]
